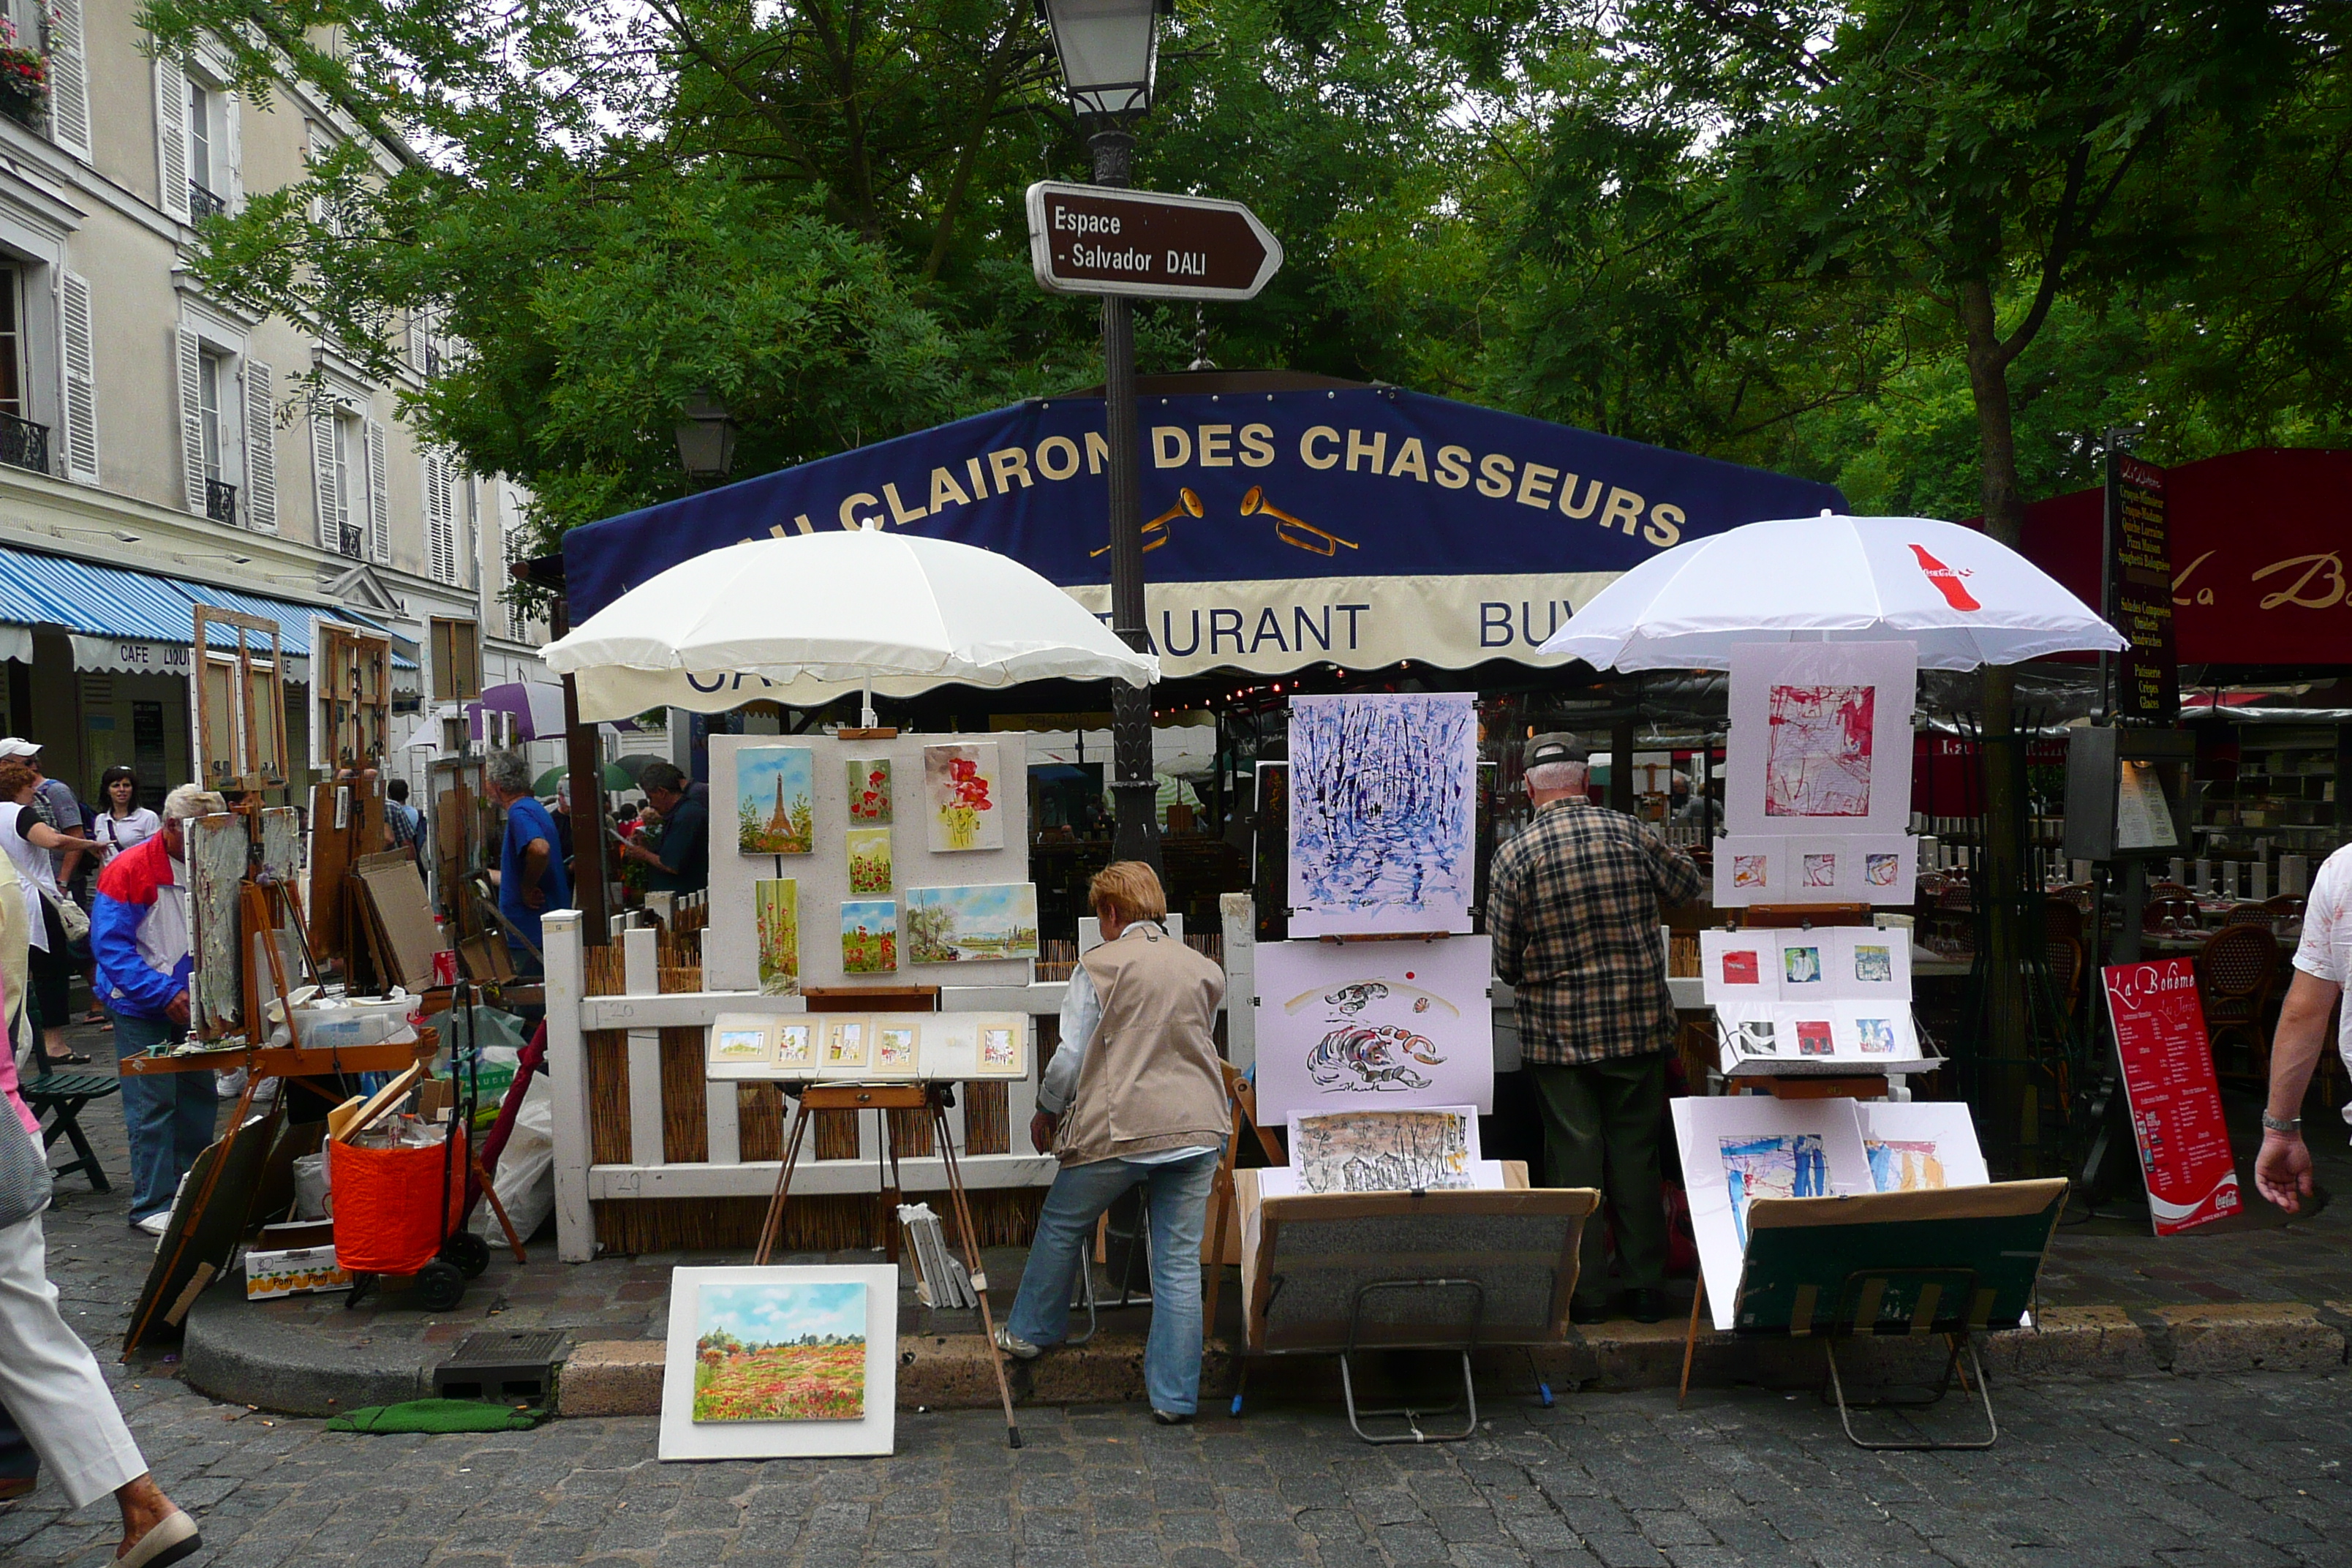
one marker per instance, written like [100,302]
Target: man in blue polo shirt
[531,874]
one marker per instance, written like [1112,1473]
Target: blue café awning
[133,622]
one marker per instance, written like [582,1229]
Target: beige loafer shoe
[169,1541]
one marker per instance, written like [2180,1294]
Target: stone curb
[951,1372]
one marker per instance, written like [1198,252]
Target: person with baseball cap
[1572,908]
[139,930]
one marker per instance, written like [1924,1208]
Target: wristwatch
[2273,1124]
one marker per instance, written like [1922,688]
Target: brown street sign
[1094,239]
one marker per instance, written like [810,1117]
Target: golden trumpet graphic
[1187,503]
[1319,543]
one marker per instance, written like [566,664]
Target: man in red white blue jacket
[139,935]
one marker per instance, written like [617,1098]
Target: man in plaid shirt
[1572,908]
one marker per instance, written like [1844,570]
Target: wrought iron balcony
[220,501]
[350,543]
[24,444]
[203,203]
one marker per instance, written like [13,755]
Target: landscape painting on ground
[951,925]
[775,793]
[788,1350]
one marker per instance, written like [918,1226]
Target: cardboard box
[295,1271]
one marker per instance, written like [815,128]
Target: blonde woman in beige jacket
[1135,1096]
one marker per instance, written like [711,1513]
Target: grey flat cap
[1557,746]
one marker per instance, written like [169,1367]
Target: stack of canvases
[1380,1054]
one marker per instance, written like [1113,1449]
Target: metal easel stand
[1412,1415]
[1859,1291]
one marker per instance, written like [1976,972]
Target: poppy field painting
[786,1351]
[868,781]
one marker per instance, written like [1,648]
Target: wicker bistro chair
[2064,955]
[2235,976]
[2249,915]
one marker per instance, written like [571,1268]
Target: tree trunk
[2007,1012]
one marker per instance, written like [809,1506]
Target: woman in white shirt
[122,823]
[28,841]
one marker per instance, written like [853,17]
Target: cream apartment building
[160,447]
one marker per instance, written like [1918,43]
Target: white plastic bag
[526,1174]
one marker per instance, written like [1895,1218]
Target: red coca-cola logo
[1946,579]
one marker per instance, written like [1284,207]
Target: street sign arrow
[1097,239]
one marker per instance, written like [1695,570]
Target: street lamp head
[1109,51]
[706,437]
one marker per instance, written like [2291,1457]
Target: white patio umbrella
[806,618]
[1964,598]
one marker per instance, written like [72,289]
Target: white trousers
[50,1381]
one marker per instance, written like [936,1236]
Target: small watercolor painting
[869,860]
[775,796]
[957,925]
[796,1044]
[868,779]
[776,901]
[961,790]
[869,936]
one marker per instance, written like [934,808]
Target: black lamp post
[1109,52]
[706,437]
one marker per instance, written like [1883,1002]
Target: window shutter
[232,177]
[171,136]
[68,79]
[417,337]
[260,449]
[192,419]
[379,522]
[322,479]
[81,357]
[441,542]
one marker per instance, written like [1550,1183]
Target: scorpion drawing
[1377,1058]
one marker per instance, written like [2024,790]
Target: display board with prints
[1812,996]
[794,849]
[1818,768]
[866,1047]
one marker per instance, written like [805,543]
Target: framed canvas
[1001,1045]
[1748,871]
[741,1045]
[1739,967]
[776,800]
[962,793]
[869,936]
[796,1048]
[894,1044]
[1374,1025]
[868,851]
[1383,799]
[866,788]
[781,1362]
[776,912]
[1820,739]
[972,924]
[1736,1148]
[843,1043]
[1921,1145]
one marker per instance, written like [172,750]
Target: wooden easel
[889,1097]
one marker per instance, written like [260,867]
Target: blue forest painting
[1383,796]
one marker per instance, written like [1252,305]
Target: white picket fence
[643,1012]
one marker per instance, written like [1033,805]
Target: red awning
[2262,554]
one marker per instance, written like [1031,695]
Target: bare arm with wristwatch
[2283,1170]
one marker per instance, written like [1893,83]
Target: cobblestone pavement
[2243,1471]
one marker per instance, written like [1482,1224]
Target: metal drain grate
[505,1368]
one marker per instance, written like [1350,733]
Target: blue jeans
[1178,1193]
[170,1116]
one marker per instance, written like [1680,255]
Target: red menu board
[2175,1103]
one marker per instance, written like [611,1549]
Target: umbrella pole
[866,706]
